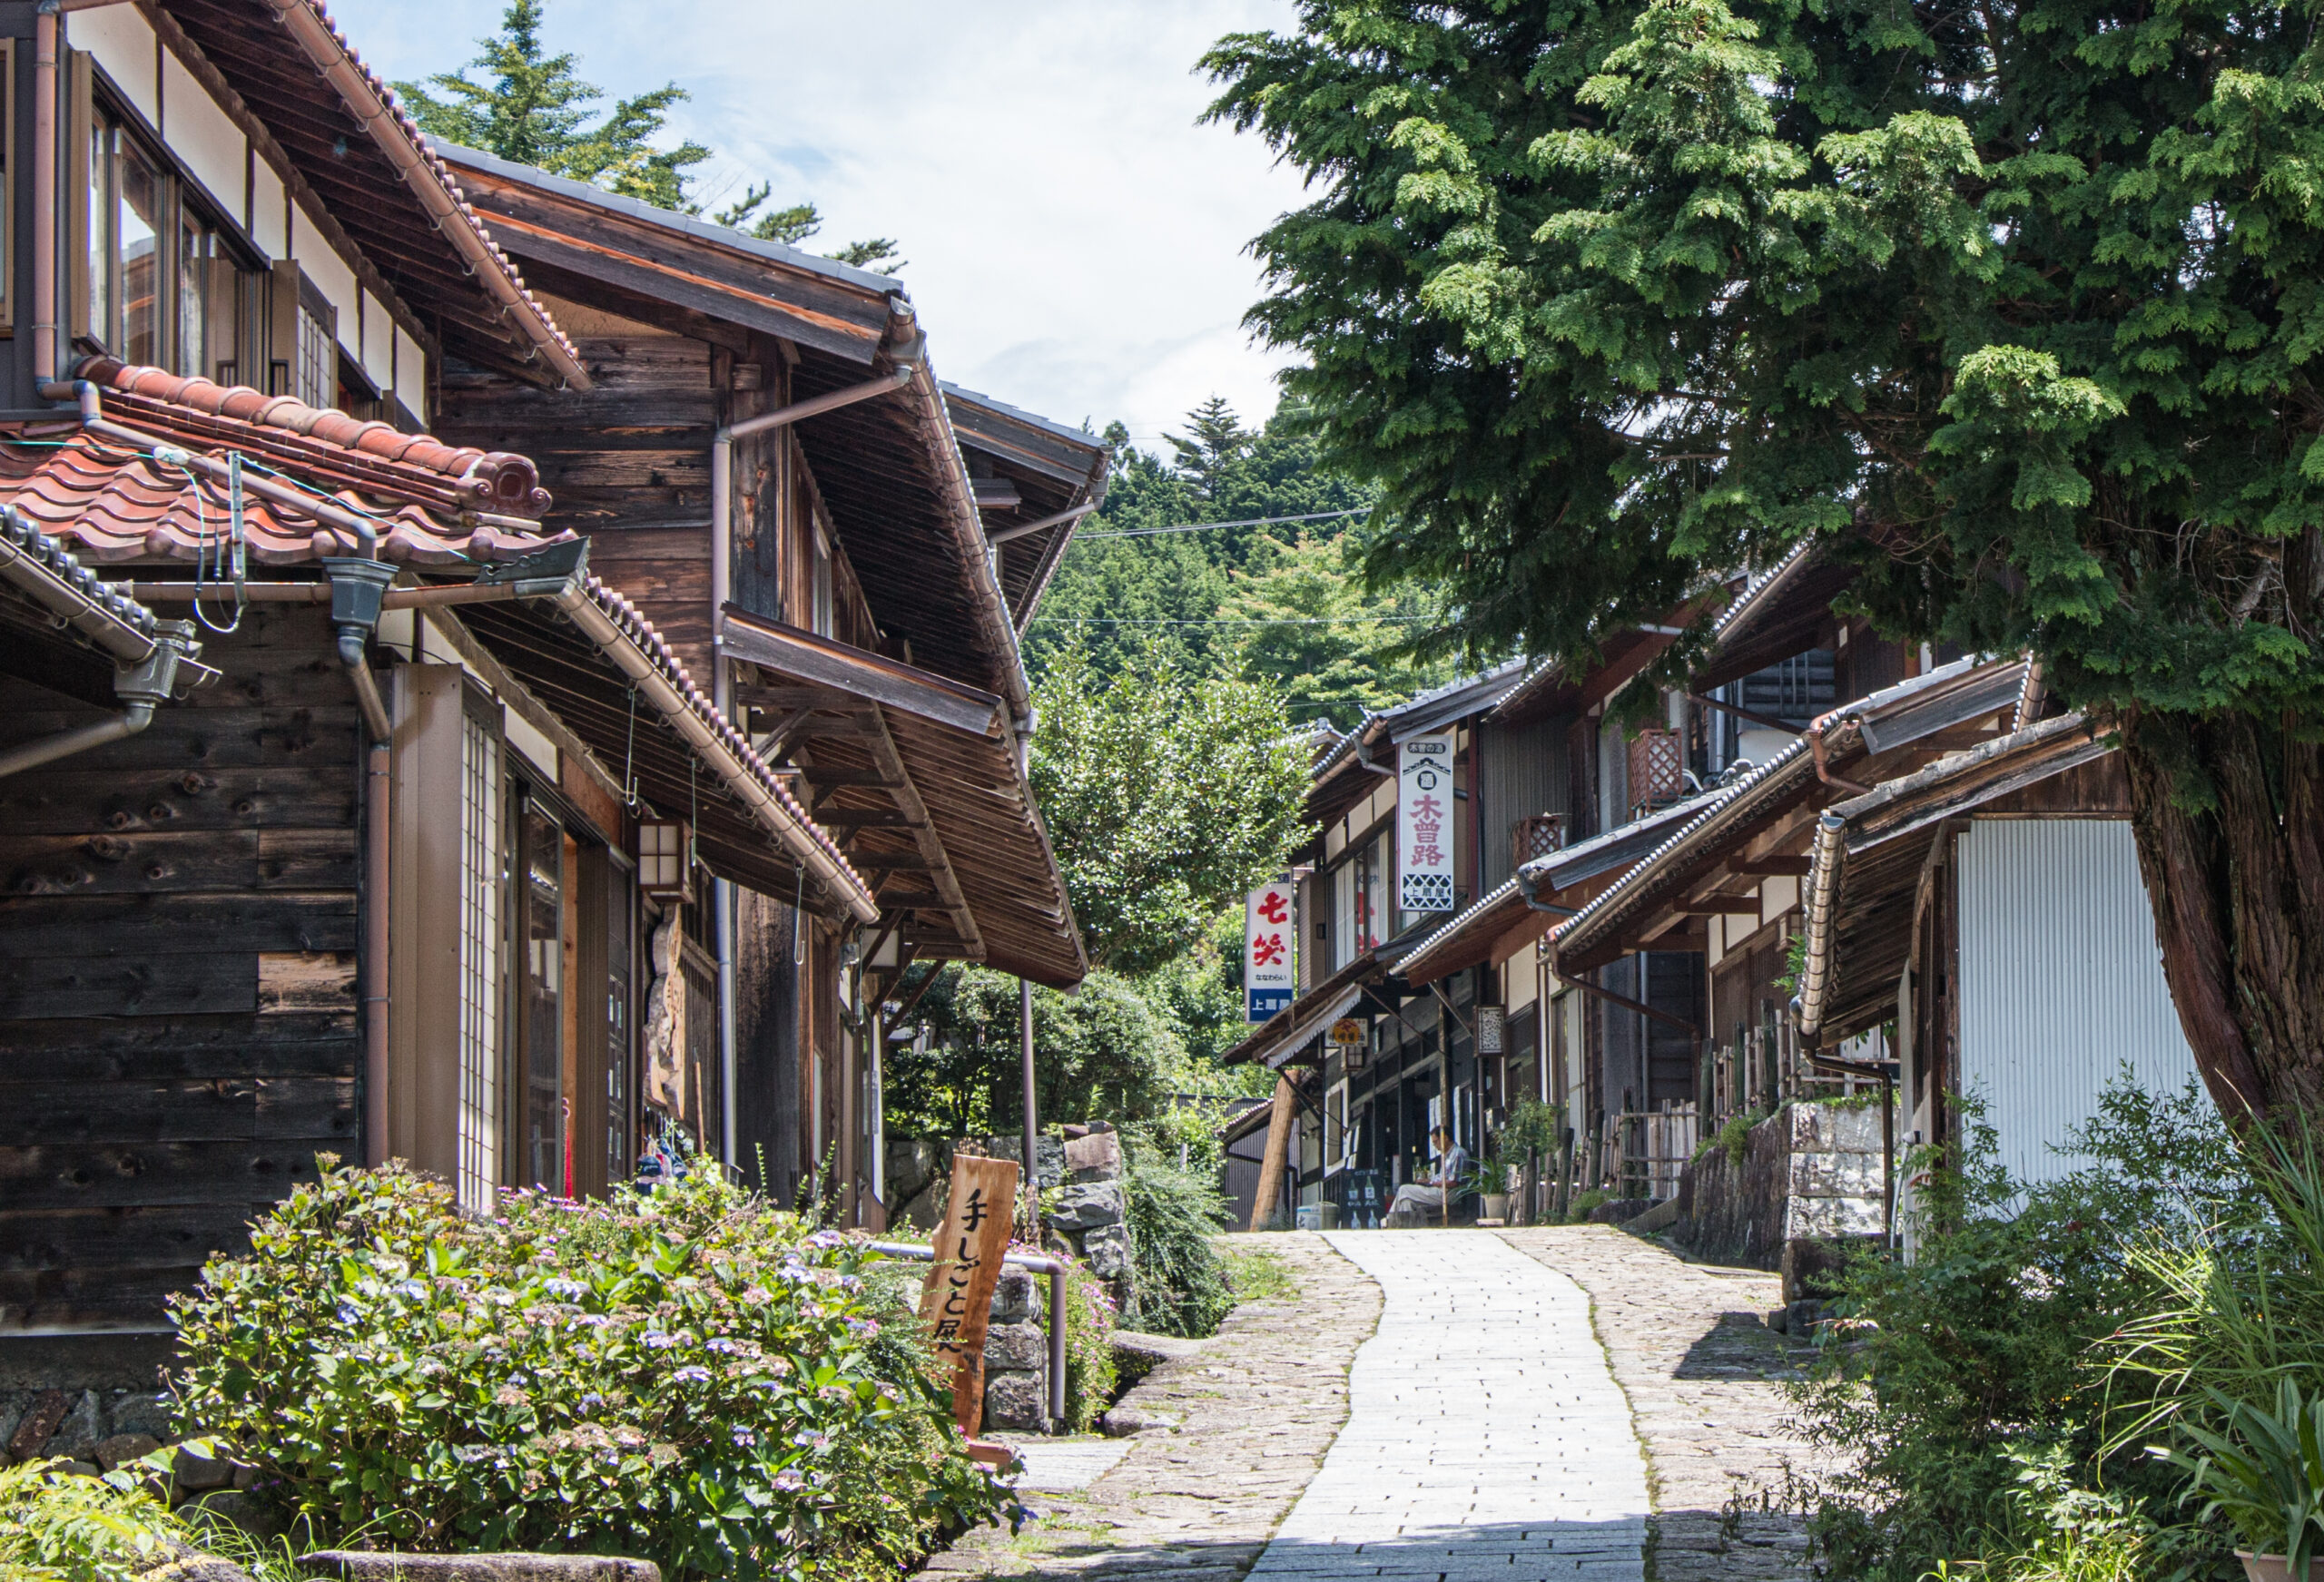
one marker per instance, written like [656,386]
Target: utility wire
[1207,526]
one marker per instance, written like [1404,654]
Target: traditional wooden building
[847,549]
[377,793]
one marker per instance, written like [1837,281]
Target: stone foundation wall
[1810,1173]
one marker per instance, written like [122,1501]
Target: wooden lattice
[1657,767]
[1535,836]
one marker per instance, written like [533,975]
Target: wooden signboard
[956,1303]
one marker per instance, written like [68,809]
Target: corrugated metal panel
[1524,771]
[2061,981]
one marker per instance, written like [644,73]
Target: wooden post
[956,1301]
[1271,1163]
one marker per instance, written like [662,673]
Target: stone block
[83,1426]
[1014,1298]
[1126,1420]
[1015,1348]
[1106,1250]
[1085,1205]
[194,1472]
[1156,1349]
[1015,1401]
[140,1412]
[240,1510]
[913,1163]
[118,1448]
[365,1566]
[1047,1152]
[1096,1157]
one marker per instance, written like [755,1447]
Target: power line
[1207,526]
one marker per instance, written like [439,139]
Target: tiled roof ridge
[656,647]
[441,172]
[499,482]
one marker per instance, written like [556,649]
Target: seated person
[1452,1163]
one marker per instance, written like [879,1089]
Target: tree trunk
[2237,887]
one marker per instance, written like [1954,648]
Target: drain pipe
[357,588]
[141,687]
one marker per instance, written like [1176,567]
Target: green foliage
[533,108]
[1090,1375]
[1604,298]
[1178,1284]
[1101,1052]
[1255,1273]
[1167,797]
[1578,1211]
[1199,994]
[687,1375]
[1284,602]
[57,1526]
[2263,1470]
[1947,1382]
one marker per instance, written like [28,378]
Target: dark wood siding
[178,937]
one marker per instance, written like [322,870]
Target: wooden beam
[1270,1162]
[1721,906]
[1769,867]
[802,655]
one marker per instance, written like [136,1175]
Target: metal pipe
[1032,1117]
[426,598]
[45,214]
[354,656]
[1033,1263]
[721,506]
[722,893]
[493,272]
[376,813]
[69,591]
[130,721]
[1817,748]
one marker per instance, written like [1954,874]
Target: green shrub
[58,1526]
[1579,1209]
[1943,1381]
[1090,1367]
[687,1375]
[1178,1284]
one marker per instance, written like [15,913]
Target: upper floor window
[163,284]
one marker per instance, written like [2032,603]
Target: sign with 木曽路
[1270,951]
[1425,825]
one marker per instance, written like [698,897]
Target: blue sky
[1076,241]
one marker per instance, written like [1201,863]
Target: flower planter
[1496,1205]
[2275,1568]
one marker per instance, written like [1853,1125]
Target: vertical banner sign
[1270,949]
[1425,825]
[956,1302]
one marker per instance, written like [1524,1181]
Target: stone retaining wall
[1810,1173]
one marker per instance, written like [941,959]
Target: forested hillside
[1276,601]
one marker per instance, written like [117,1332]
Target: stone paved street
[1500,1423]
[1703,1374]
[1486,1437]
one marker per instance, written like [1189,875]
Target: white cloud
[1075,240]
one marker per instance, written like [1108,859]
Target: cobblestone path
[1493,1427]
[1254,1412]
[1689,1347]
[1486,1438]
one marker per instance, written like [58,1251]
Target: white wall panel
[333,276]
[200,133]
[2061,981]
[268,214]
[123,44]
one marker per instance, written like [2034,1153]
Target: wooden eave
[918,776]
[367,202]
[1052,470]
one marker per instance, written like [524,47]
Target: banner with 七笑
[1425,825]
[1270,951]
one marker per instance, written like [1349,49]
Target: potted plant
[2264,1472]
[1492,1182]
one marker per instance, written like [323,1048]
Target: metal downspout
[1032,1116]
[141,687]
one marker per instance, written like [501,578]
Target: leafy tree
[1325,638]
[1167,797]
[1099,1053]
[533,108]
[2019,304]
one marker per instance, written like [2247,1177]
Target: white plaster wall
[411,375]
[267,214]
[331,273]
[123,44]
[198,131]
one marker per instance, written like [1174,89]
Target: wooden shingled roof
[293,84]
[1036,470]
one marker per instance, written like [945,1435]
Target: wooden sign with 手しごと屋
[956,1302]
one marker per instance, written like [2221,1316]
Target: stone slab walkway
[1705,1377]
[1486,1437]
[1254,1413]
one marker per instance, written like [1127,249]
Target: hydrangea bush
[684,1374]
